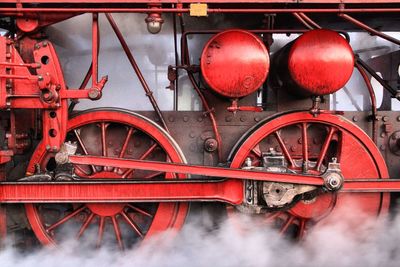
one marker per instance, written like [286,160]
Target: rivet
[382,147]
[228,118]
[192,134]
[171,118]
[385,118]
[199,119]
[242,119]
[398,118]
[257,119]
[355,118]
[185,118]
[382,135]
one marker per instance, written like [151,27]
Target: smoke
[350,240]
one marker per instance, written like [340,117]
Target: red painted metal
[78,10]
[91,131]
[226,71]
[196,170]
[229,191]
[319,62]
[350,142]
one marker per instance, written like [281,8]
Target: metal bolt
[94,94]
[185,118]
[382,135]
[192,134]
[228,118]
[355,118]
[210,145]
[398,118]
[385,118]
[242,119]
[199,119]
[48,147]
[171,118]
[45,43]
[257,119]
[293,148]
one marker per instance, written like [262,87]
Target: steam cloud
[358,242]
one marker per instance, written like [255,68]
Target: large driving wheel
[308,144]
[113,134]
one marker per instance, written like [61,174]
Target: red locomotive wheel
[308,144]
[109,133]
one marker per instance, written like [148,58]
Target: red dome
[321,62]
[235,63]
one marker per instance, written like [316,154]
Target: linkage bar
[197,170]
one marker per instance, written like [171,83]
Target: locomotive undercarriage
[112,174]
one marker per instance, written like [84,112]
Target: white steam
[370,243]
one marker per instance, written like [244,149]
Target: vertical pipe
[373,100]
[176,63]
[95,48]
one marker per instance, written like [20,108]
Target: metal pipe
[176,63]
[300,18]
[373,100]
[186,60]
[310,21]
[369,29]
[95,49]
[136,68]
[378,78]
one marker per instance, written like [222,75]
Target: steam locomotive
[252,120]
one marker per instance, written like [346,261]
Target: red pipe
[369,29]
[373,99]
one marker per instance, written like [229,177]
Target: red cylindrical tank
[319,62]
[235,63]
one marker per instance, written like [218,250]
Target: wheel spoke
[132,224]
[257,151]
[126,142]
[284,149]
[124,146]
[142,157]
[117,232]
[139,210]
[288,222]
[305,146]
[100,232]
[324,148]
[78,136]
[85,225]
[272,216]
[302,228]
[65,219]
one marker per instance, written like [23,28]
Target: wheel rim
[299,136]
[112,134]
